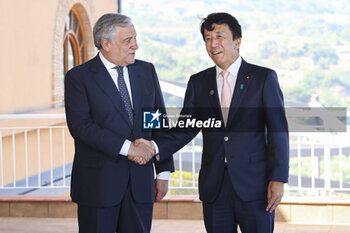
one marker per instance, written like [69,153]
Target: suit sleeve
[168,163]
[80,123]
[176,138]
[277,130]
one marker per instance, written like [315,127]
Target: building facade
[40,40]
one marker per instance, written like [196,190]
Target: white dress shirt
[114,75]
[233,69]
[232,78]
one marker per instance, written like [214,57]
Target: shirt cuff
[125,148]
[155,147]
[163,176]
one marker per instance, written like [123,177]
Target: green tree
[267,49]
[297,93]
[345,34]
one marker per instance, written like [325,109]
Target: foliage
[298,93]
[267,49]
[306,42]
[324,56]
[306,167]
[187,181]
[345,34]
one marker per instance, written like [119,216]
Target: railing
[320,164]
[38,159]
[34,158]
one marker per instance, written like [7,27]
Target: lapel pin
[211,92]
[242,86]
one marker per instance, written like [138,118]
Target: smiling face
[221,47]
[121,51]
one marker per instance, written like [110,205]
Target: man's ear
[106,45]
[238,43]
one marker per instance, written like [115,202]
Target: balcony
[36,153]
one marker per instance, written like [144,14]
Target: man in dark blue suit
[245,162]
[104,98]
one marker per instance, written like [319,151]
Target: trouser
[228,211]
[127,217]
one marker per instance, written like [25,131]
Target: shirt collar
[233,69]
[106,63]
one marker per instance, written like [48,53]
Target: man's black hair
[222,18]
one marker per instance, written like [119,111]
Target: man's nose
[213,43]
[135,45]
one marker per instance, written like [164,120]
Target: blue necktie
[123,90]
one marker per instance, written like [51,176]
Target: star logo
[151,119]
[156,115]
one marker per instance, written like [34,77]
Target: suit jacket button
[225,138]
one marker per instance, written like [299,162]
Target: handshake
[141,151]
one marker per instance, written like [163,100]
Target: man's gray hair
[104,28]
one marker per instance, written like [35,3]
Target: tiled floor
[61,225]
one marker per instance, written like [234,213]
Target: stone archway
[87,14]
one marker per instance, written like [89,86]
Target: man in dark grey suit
[104,98]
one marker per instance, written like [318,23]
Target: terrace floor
[69,225]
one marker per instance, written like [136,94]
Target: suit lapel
[212,91]
[136,90]
[242,83]
[106,83]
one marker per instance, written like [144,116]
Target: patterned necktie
[123,90]
[225,95]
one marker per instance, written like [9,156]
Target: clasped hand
[141,151]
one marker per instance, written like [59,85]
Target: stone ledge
[64,198]
[34,198]
[177,207]
[314,201]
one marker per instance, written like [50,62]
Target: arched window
[72,42]
[75,51]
